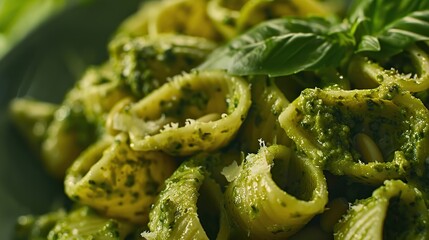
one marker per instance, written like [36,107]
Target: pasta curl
[191,206]
[262,121]
[233,17]
[199,111]
[117,181]
[275,193]
[394,211]
[378,134]
[369,74]
[145,63]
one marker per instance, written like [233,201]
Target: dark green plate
[44,66]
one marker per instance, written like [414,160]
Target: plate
[44,66]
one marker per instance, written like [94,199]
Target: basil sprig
[379,28]
[387,27]
[283,47]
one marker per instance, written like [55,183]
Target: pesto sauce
[328,125]
[333,121]
[75,122]
[145,64]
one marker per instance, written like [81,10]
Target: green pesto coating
[85,223]
[117,181]
[275,193]
[168,119]
[394,211]
[175,215]
[323,124]
[144,64]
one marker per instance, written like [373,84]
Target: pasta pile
[149,145]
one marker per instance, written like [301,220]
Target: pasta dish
[244,119]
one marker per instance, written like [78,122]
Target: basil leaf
[369,43]
[283,47]
[396,24]
[402,33]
